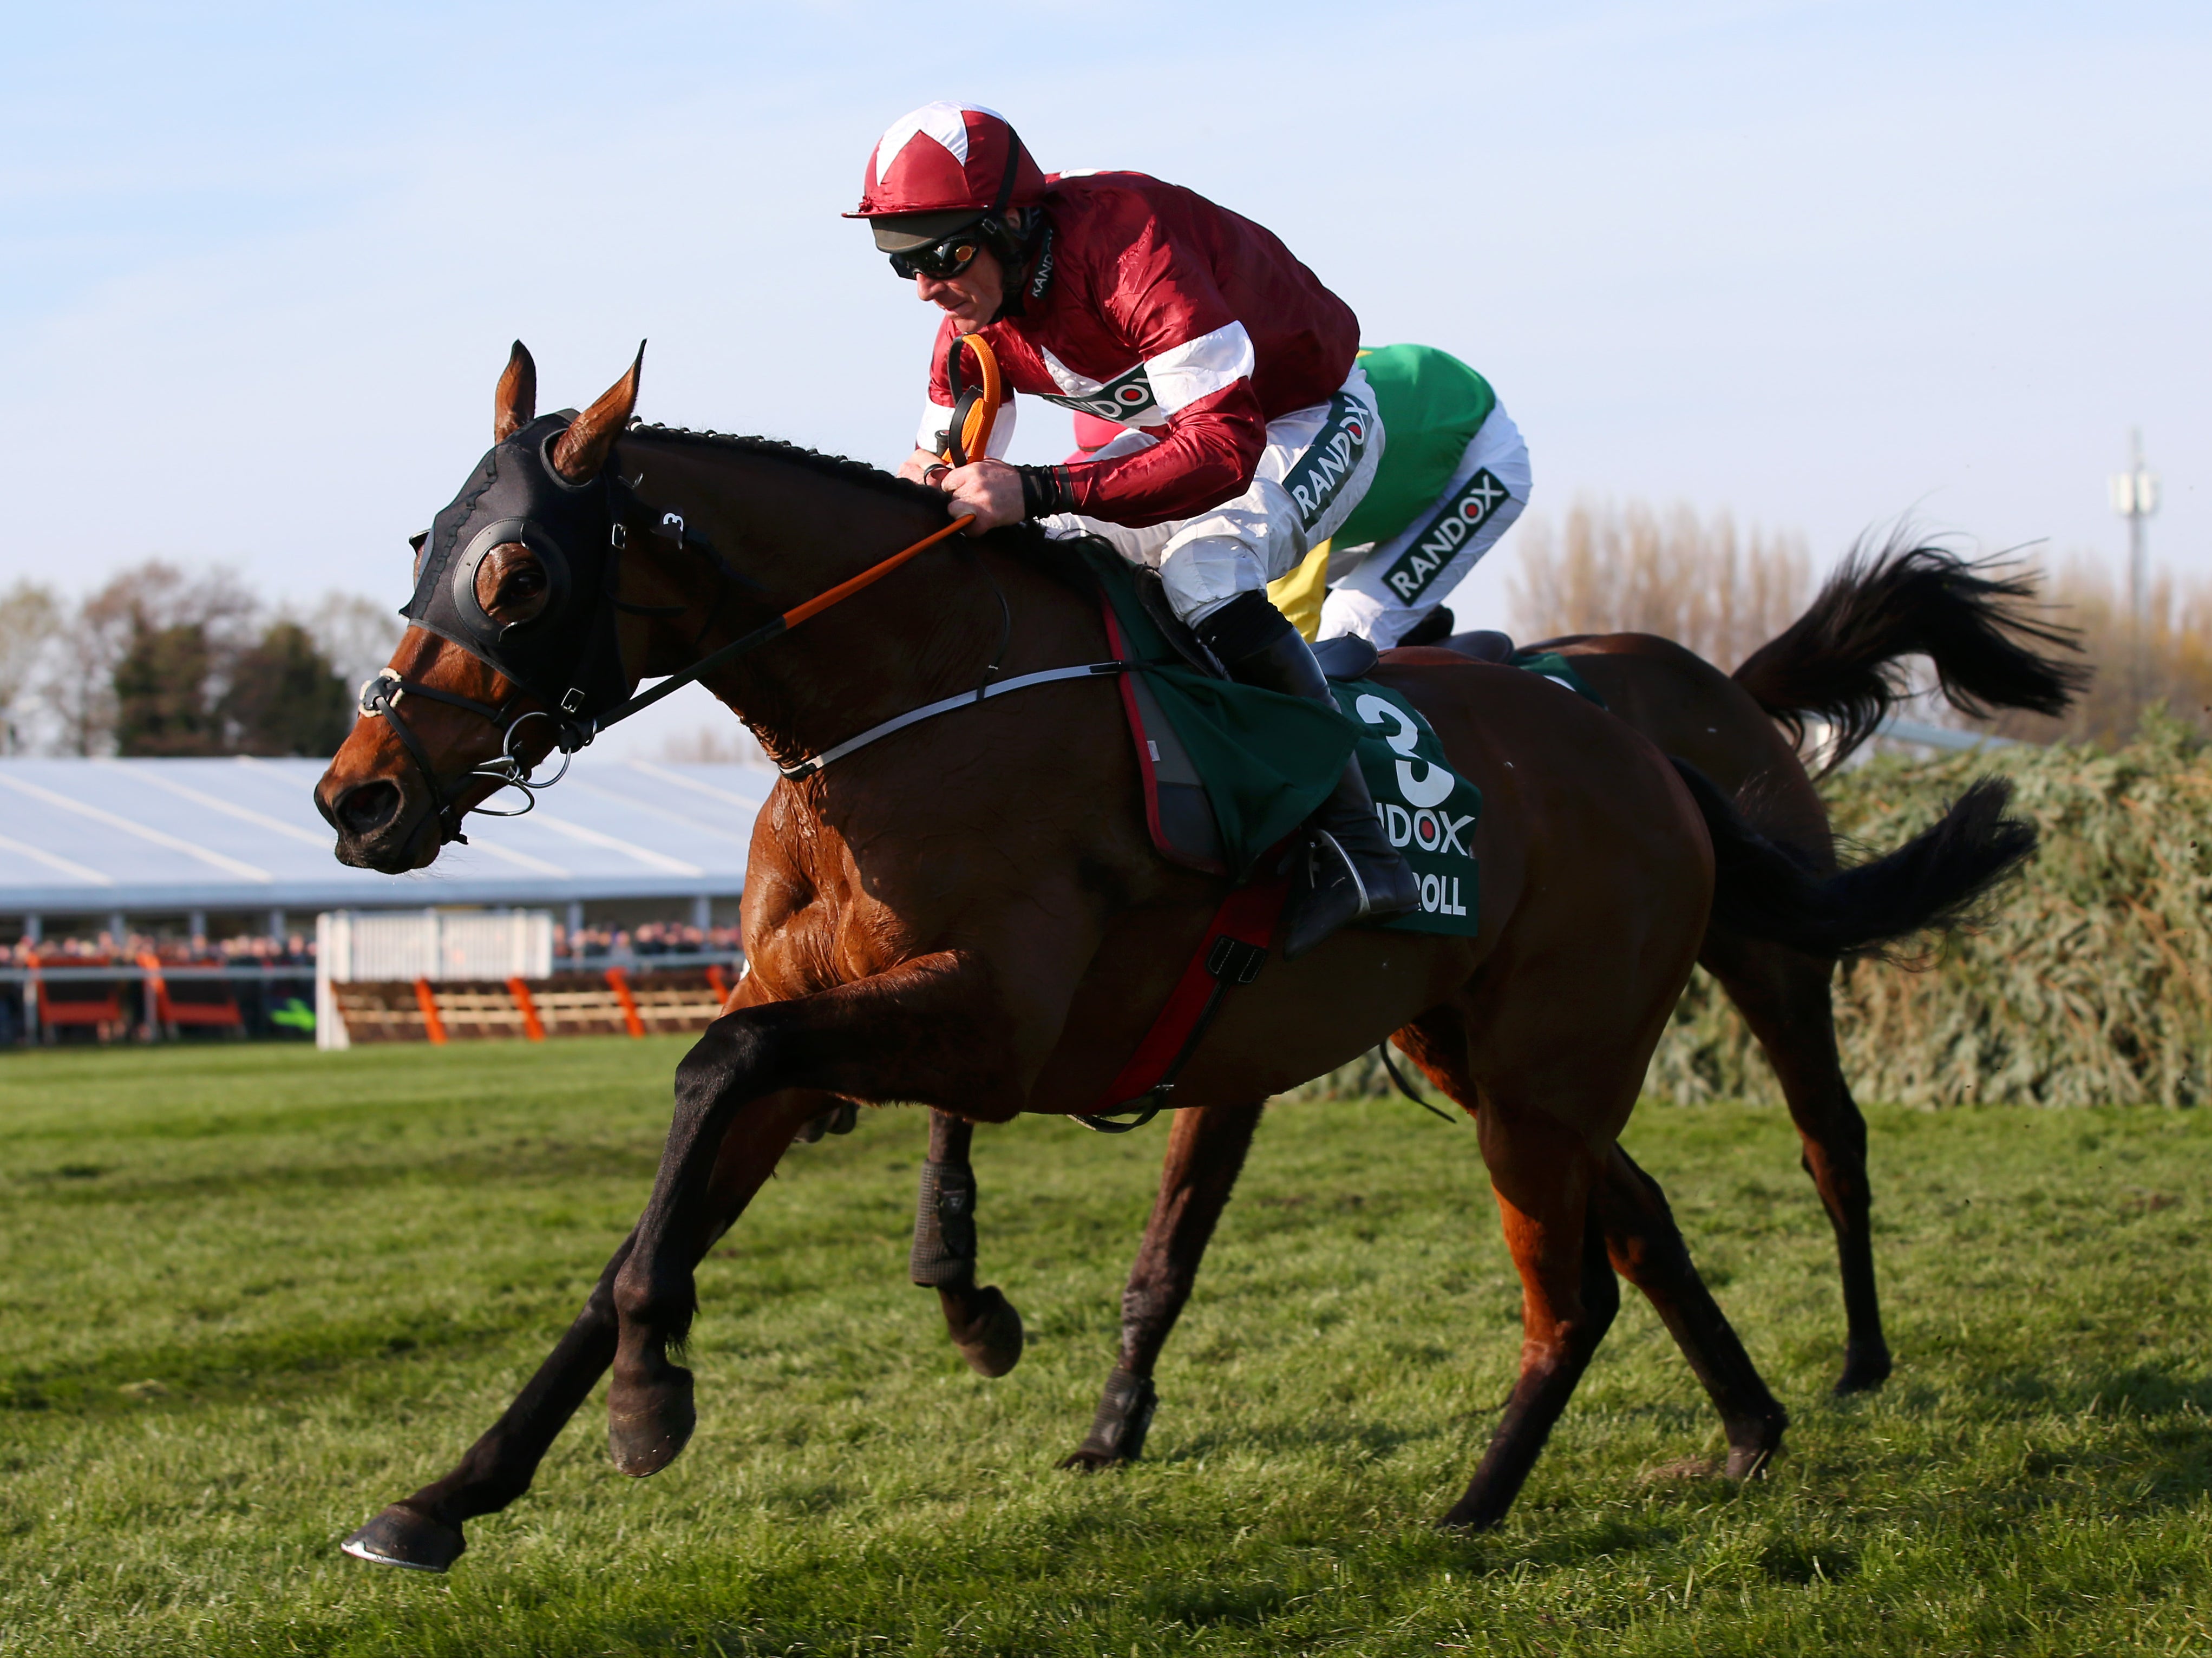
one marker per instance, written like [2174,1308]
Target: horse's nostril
[365,810]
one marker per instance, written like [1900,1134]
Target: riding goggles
[943,259]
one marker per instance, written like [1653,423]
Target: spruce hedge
[2090,983]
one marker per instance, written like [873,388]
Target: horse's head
[513,639]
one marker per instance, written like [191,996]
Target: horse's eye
[511,583]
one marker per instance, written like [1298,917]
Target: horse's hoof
[401,1537]
[648,1426]
[992,1343]
[1753,1446]
[1864,1370]
[1090,1460]
[1117,1432]
[1471,1522]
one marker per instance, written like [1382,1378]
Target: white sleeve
[930,434]
[936,417]
[1183,373]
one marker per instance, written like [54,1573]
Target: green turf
[252,1294]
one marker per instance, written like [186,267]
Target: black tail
[1841,660]
[1930,884]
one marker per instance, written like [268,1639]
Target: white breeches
[1379,593]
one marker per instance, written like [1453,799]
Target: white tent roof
[159,835]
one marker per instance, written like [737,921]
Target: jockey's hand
[915,468]
[991,489]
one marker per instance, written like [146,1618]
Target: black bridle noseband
[579,531]
[507,769]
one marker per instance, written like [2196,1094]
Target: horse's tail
[1933,883]
[1840,660]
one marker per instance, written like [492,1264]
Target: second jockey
[1251,432]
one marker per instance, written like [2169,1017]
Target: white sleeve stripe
[936,417]
[1182,374]
[1002,430]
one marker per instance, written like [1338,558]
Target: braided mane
[835,466]
[1056,557]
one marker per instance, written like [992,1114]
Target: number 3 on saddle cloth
[1229,773]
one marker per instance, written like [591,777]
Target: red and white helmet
[944,165]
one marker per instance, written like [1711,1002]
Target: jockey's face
[970,299]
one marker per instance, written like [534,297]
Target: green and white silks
[1455,476]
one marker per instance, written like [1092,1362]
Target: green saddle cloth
[1268,761]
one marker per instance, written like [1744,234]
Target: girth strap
[946,705]
[1231,953]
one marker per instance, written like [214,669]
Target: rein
[762,634]
[968,434]
[380,696]
[975,410]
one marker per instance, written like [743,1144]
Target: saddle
[1176,806]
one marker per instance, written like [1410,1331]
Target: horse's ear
[515,402]
[583,449]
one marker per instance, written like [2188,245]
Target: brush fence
[2089,981]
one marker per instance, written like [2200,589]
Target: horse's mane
[841,467]
[1057,558]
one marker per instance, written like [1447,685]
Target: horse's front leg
[424,1531]
[928,1030]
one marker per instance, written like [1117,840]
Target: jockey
[1456,477]
[1249,433]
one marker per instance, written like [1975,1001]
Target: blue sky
[1818,264]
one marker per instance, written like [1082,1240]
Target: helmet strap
[1025,261]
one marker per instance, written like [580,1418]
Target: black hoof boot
[1117,1432]
[1352,872]
[401,1537]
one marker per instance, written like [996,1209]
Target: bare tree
[2168,659]
[149,602]
[356,635]
[30,618]
[1633,569]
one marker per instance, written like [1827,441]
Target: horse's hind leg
[982,1323]
[1647,1250]
[1786,999]
[424,1531]
[1205,1152]
[1541,1173]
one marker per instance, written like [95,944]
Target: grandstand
[123,846]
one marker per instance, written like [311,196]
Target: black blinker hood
[566,656]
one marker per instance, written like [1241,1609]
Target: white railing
[355,945]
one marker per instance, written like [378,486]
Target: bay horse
[1840,664]
[972,916]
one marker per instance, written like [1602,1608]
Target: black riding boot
[1353,872]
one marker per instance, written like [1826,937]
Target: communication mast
[2134,498]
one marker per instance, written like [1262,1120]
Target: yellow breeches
[1299,594]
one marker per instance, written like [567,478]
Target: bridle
[574,721]
[508,768]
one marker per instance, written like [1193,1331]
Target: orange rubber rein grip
[975,410]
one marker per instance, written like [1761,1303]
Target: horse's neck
[926,631]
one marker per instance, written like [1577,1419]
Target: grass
[252,1294]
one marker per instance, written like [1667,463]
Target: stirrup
[1350,868]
